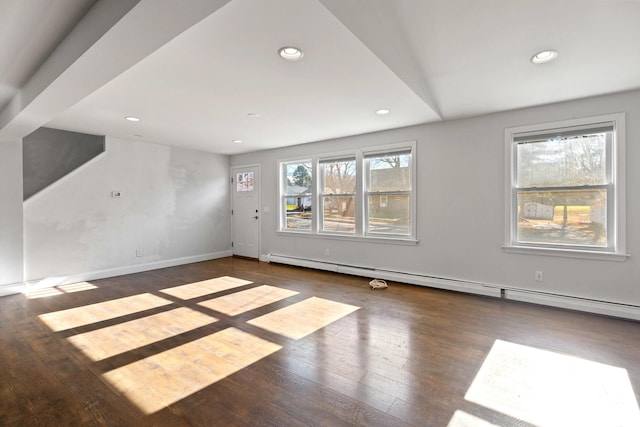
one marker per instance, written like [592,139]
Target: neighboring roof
[297,189]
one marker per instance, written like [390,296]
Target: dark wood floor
[402,356]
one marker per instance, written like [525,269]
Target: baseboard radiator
[608,308]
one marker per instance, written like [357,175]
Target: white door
[245,215]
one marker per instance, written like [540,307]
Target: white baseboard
[489,289]
[567,302]
[117,271]
[11,288]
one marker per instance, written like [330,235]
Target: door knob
[255,217]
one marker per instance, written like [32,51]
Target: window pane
[298,178]
[576,217]
[298,212]
[297,201]
[575,160]
[244,181]
[339,177]
[390,173]
[389,214]
[339,213]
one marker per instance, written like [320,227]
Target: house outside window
[566,186]
[388,193]
[296,199]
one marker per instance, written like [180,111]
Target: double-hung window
[296,195]
[566,186]
[338,195]
[365,193]
[388,193]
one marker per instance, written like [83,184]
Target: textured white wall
[10,212]
[174,204]
[461,170]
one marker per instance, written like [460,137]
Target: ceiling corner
[375,24]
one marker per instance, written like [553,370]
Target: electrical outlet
[539,276]
[138,252]
[327,252]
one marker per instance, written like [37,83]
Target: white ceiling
[29,32]
[193,71]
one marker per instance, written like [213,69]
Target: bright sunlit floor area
[546,388]
[162,379]
[237,342]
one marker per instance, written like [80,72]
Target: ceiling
[203,73]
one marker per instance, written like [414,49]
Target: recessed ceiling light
[253,115]
[290,53]
[237,141]
[544,56]
[383,112]
[132,119]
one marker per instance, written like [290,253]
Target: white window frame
[411,192]
[322,162]
[615,185]
[360,198]
[282,194]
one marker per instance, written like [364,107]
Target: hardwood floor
[238,342]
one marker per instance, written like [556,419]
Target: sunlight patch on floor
[205,287]
[165,378]
[303,318]
[113,340]
[250,299]
[59,290]
[462,419]
[551,389]
[93,313]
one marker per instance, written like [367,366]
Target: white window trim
[321,161]
[350,237]
[282,213]
[412,191]
[617,175]
[359,153]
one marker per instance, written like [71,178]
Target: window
[244,181]
[566,189]
[296,195]
[366,193]
[338,195]
[388,195]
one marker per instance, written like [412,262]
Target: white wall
[10,212]
[460,168]
[174,206]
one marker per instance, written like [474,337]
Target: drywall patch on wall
[50,154]
[201,188]
[168,209]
